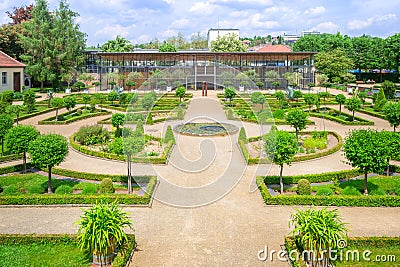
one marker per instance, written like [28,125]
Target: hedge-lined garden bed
[342,118]
[52,250]
[75,116]
[251,160]
[11,157]
[323,200]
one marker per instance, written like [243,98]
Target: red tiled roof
[7,61]
[275,49]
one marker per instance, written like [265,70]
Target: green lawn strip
[257,160]
[70,119]
[51,250]
[85,150]
[387,248]
[370,111]
[40,109]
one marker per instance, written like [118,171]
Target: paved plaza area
[229,231]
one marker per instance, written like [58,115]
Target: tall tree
[47,151]
[120,44]
[392,52]
[19,138]
[366,150]
[20,14]
[281,147]
[6,122]
[392,114]
[340,99]
[333,63]
[228,43]
[36,41]
[167,47]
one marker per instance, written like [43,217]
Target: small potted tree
[101,232]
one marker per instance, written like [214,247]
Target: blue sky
[142,20]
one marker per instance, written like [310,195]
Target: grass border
[50,121]
[121,260]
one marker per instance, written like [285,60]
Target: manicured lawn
[25,181]
[389,184]
[43,254]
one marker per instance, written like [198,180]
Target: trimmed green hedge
[15,168]
[161,160]
[55,199]
[11,157]
[360,121]
[372,113]
[120,260]
[348,201]
[51,120]
[314,178]
[28,116]
[296,158]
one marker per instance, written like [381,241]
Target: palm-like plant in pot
[101,231]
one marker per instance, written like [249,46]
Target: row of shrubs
[121,260]
[52,120]
[330,200]
[11,157]
[28,116]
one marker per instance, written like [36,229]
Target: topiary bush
[11,190]
[106,186]
[89,189]
[169,135]
[64,190]
[377,192]
[324,191]
[242,135]
[90,135]
[351,191]
[397,190]
[303,187]
[36,189]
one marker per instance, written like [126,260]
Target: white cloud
[180,24]
[205,8]
[357,24]
[327,27]
[111,31]
[315,11]
[168,33]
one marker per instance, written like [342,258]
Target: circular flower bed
[206,129]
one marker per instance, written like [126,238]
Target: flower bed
[206,129]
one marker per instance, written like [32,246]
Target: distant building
[12,73]
[213,34]
[304,33]
[269,48]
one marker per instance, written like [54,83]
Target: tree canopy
[120,44]
[228,43]
[333,63]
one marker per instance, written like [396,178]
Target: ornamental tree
[310,100]
[392,114]
[280,96]
[366,150]
[281,147]
[340,99]
[353,104]
[16,110]
[30,100]
[391,140]
[70,102]
[297,118]
[57,103]
[229,93]
[6,122]
[117,120]
[380,100]
[258,98]
[180,92]
[132,144]
[19,138]
[47,151]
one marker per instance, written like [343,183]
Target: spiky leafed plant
[318,231]
[101,227]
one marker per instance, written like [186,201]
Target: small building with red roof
[270,48]
[12,73]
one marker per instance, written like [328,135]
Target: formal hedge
[11,157]
[85,150]
[121,260]
[52,121]
[349,201]
[372,113]
[15,168]
[359,121]
[314,178]
[28,116]
[328,152]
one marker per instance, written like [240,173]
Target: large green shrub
[36,189]
[397,190]
[377,192]
[324,191]
[169,135]
[351,191]
[90,135]
[303,187]
[242,135]
[106,186]
[64,190]
[89,189]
